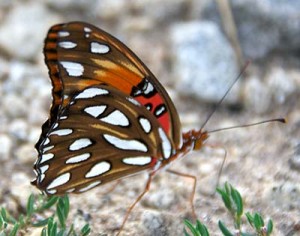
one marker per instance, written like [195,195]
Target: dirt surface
[262,161]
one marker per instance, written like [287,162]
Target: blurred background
[196,49]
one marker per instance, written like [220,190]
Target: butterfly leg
[147,187]
[222,164]
[194,188]
[113,187]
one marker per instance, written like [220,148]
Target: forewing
[101,136]
[79,55]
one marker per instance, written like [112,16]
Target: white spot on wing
[47,141]
[79,158]
[46,149]
[73,68]
[63,117]
[149,88]
[41,178]
[87,29]
[99,48]
[67,44]
[52,191]
[166,145]
[44,168]
[98,169]
[62,132]
[139,161]
[70,190]
[160,110]
[92,185]
[60,180]
[91,92]
[80,144]
[95,111]
[145,123]
[133,101]
[125,144]
[63,34]
[116,118]
[46,157]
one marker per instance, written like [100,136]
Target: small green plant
[55,225]
[234,203]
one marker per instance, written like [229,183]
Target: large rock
[204,62]
[263,25]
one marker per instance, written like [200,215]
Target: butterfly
[110,117]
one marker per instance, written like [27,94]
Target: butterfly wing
[102,135]
[79,55]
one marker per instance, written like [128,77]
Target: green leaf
[41,223]
[224,230]
[1,222]
[14,230]
[63,208]
[185,232]
[191,228]
[4,214]
[269,227]
[236,197]
[249,218]
[44,232]
[258,221]
[85,230]
[50,202]
[30,205]
[201,228]
[225,198]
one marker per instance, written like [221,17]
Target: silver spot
[70,190]
[88,187]
[138,161]
[145,123]
[44,168]
[63,34]
[46,149]
[62,132]
[52,191]
[91,92]
[78,158]
[98,169]
[46,157]
[133,101]
[99,48]
[73,68]
[87,29]
[149,88]
[125,144]
[80,144]
[166,145]
[95,111]
[60,180]
[116,118]
[47,141]
[41,178]
[67,44]
[160,110]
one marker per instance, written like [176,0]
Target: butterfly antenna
[281,120]
[224,96]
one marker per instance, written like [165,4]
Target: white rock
[205,64]
[23,31]
[6,145]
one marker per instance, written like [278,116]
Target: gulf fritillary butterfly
[110,117]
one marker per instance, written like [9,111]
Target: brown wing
[101,136]
[79,55]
